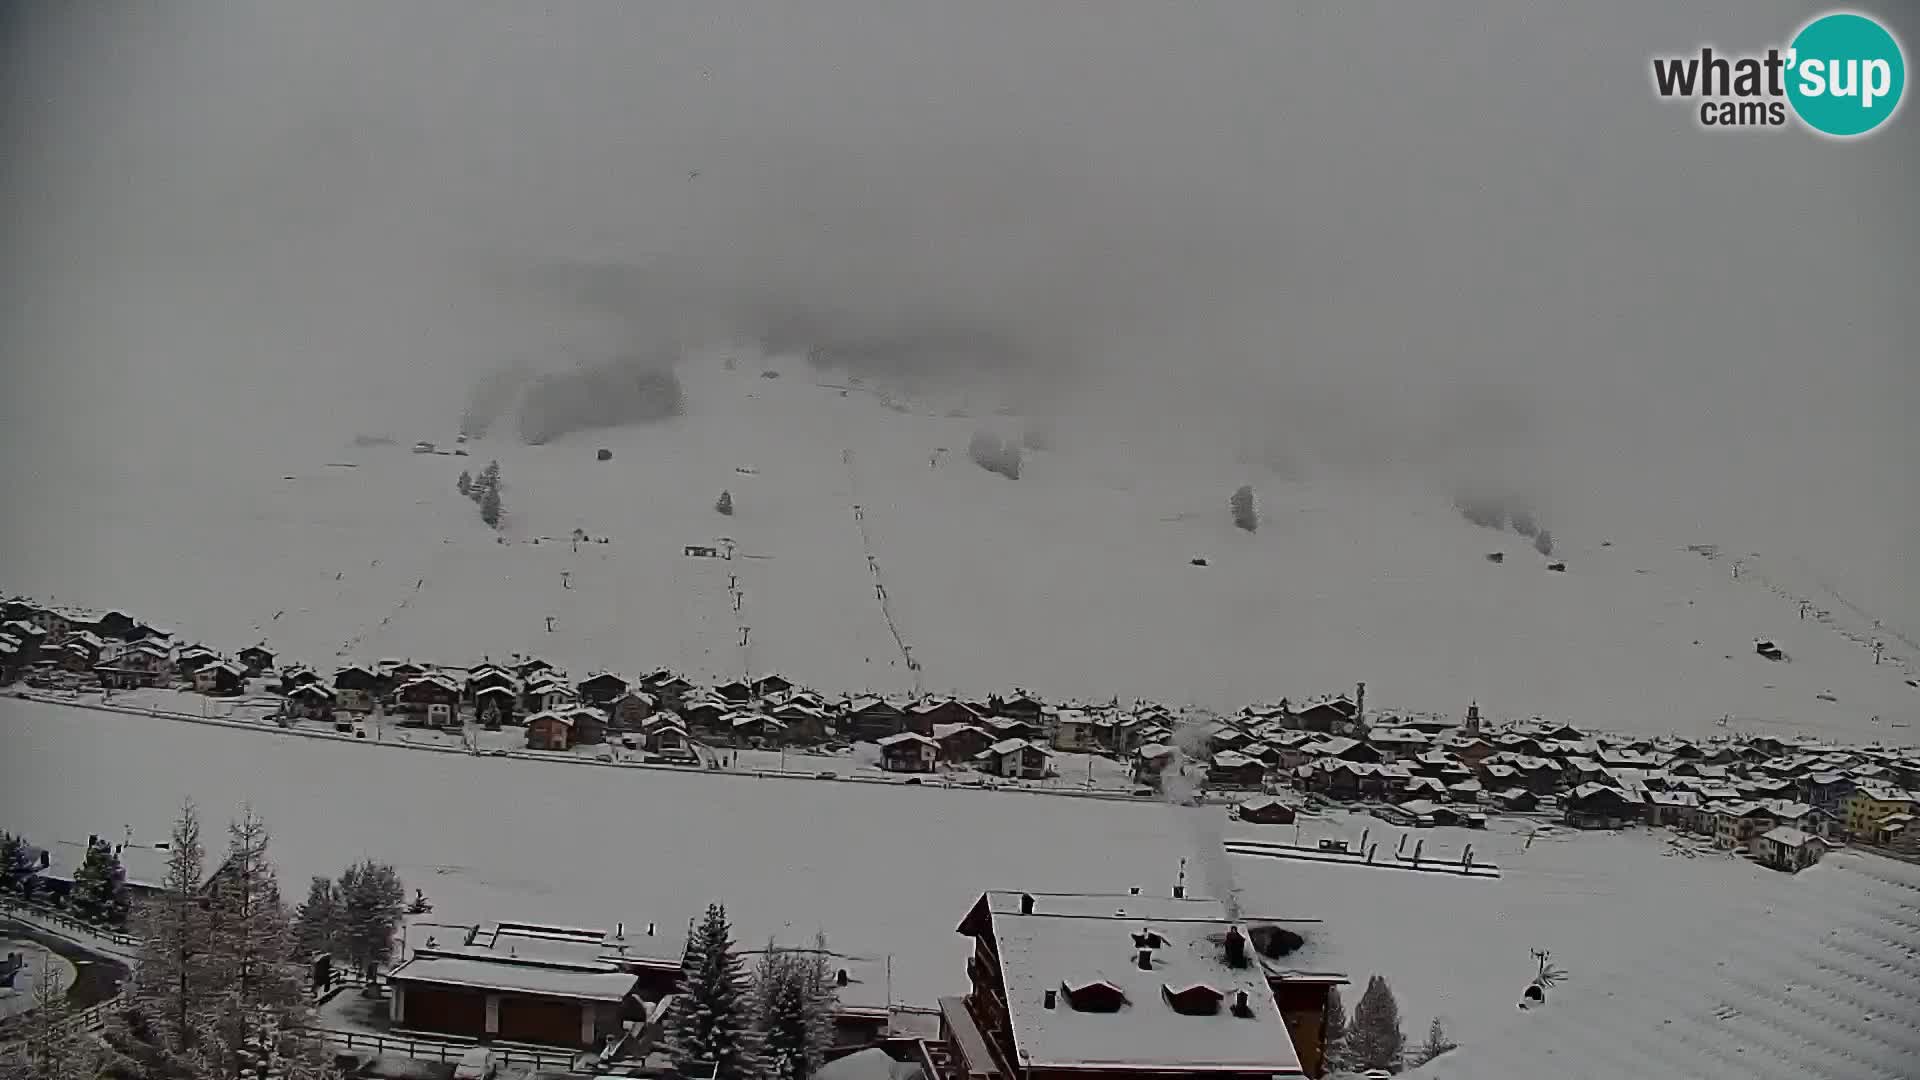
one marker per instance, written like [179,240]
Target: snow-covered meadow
[886,871]
[1074,580]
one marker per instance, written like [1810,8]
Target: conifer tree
[490,506]
[725,503]
[1333,1034]
[173,980]
[1375,1040]
[711,1025]
[100,886]
[1244,514]
[17,867]
[465,483]
[259,1002]
[316,922]
[371,901]
[1437,1043]
[793,1000]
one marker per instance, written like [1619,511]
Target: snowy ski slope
[861,527]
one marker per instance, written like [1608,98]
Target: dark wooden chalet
[495,705]
[871,718]
[667,688]
[769,685]
[961,742]
[1020,707]
[222,678]
[589,725]
[491,676]
[1235,770]
[734,693]
[256,659]
[665,737]
[432,699]
[1597,806]
[310,701]
[1265,810]
[927,717]
[549,731]
[601,688]
[356,687]
[908,752]
[1326,716]
[630,710]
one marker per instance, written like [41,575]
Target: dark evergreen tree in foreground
[17,865]
[793,1003]
[725,503]
[1375,1040]
[465,483]
[100,886]
[173,982]
[371,901]
[1333,1035]
[711,1024]
[316,922]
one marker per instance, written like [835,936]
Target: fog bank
[1463,241]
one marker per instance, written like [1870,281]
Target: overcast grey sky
[1464,233]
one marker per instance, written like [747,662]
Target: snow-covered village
[886,541]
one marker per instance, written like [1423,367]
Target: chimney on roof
[620,931]
[840,977]
[1134,891]
[1236,945]
[1026,903]
[649,929]
[1053,997]
[1241,1007]
[1143,958]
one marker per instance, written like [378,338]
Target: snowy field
[884,870]
[1074,580]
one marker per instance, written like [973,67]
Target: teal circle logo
[1847,74]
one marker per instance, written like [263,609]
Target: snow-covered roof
[553,715]
[1819,979]
[904,737]
[551,980]
[1788,835]
[1044,951]
[1013,746]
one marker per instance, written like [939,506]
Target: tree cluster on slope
[353,919]
[215,991]
[724,504]
[994,454]
[1244,514]
[484,490]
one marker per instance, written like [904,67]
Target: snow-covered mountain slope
[858,519]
